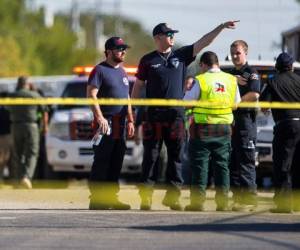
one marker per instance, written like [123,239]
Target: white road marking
[8,218]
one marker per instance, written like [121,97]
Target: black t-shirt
[111,83]
[253,83]
[284,87]
[4,121]
[164,74]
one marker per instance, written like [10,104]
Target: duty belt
[286,120]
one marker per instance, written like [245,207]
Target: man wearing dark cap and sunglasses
[285,87]
[163,72]
[109,80]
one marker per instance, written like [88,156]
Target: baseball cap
[162,28]
[284,60]
[115,43]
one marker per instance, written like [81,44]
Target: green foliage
[27,46]
[133,34]
[10,54]
[11,13]
[57,48]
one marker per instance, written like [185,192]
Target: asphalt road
[59,219]
[83,229]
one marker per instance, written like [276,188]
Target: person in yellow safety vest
[210,133]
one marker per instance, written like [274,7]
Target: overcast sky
[262,21]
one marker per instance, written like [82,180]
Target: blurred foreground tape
[141,102]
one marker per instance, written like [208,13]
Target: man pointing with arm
[163,72]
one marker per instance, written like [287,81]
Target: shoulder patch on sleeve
[254,76]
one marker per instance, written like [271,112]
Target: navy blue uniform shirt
[111,83]
[164,74]
[253,82]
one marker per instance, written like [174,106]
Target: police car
[68,142]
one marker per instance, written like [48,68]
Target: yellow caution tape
[140,102]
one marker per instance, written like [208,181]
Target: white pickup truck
[68,142]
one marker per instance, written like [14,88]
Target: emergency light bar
[82,70]
[267,76]
[130,70]
[86,70]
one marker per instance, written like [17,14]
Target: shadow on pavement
[223,227]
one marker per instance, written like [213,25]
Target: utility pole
[48,14]
[99,36]
[75,24]
[30,4]
[119,29]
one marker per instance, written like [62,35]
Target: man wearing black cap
[109,80]
[285,87]
[163,73]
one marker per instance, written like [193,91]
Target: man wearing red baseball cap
[108,79]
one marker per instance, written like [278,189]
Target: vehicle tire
[49,174]
[52,179]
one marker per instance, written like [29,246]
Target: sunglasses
[170,34]
[120,49]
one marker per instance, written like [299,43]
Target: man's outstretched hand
[230,24]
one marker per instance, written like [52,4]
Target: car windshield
[74,89]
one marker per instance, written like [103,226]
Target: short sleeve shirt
[164,76]
[111,83]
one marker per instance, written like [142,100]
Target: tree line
[28,46]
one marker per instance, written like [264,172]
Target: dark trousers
[26,149]
[206,150]
[242,163]
[107,164]
[159,128]
[286,162]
